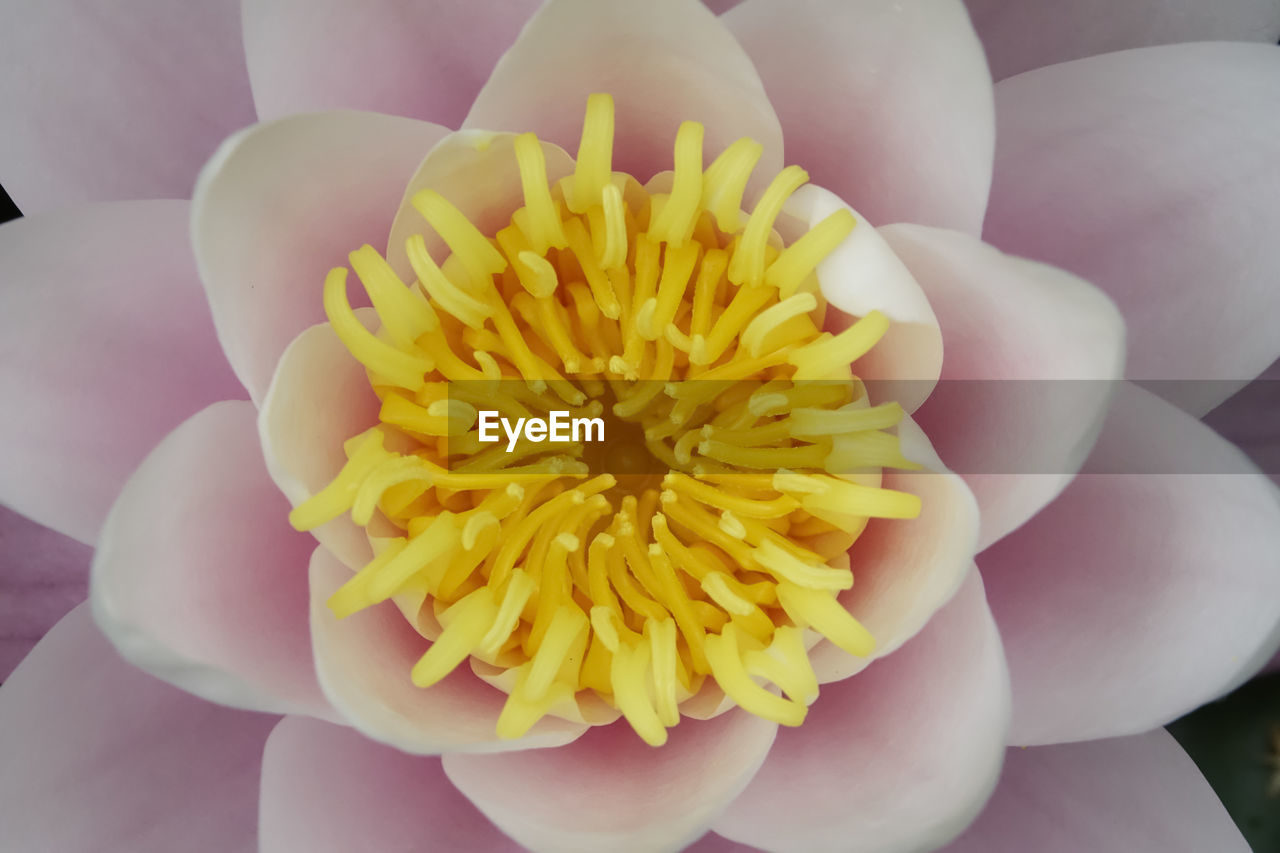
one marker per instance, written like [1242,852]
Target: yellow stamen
[595,155]
[405,369]
[726,181]
[674,221]
[479,258]
[747,266]
[442,291]
[545,228]
[800,258]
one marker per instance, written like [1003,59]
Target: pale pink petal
[609,790]
[477,172]
[900,757]
[664,62]
[1138,794]
[327,788]
[95,755]
[43,574]
[106,347]
[1043,347]
[319,397]
[1135,597]
[905,570]
[282,203]
[886,103]
[198,577]
[1020,36]
[364,661]
[1151,173]
[863,274]
[422,60]
[105,103]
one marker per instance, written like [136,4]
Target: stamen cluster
[583,593]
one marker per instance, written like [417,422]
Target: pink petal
[107,346]
[199,579]
[863,274]
[1129,795]
[282,203]
[364,660]
[1018,434]
[319,397]
[1151,173]
[43,575]
[327,788]
[105,103]
[1136,597]
[900,757]
[1022,36]
[905,570]
[885,103]
[96,755]
[670,62]
[422,60]
[611,791]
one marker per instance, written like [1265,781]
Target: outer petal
[105,103]
[95,755]
[1151,173]
[1022,36]
[423,60]
[282,203]
[101,312]
[611,791]
[1136,597]
[664,62]
[43,575]
[1042,348]
[198,577]
[906,570]
[364,660]
[327,788]
[888,103]
[901,757]
[1109,796]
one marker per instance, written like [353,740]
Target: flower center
[700,546]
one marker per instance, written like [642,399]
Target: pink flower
[1103,606]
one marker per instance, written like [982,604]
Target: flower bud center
[702,544]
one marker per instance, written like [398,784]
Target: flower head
[773,356]
[588,593]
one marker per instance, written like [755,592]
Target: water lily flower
[865,651]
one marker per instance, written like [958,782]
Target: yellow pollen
[702,544]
